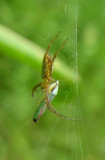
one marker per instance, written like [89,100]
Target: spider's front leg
[34,89]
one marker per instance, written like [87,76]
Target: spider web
[62,138]
[71,130]
[57,138]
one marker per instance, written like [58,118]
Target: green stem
[19,48]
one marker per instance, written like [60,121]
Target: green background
[83,99]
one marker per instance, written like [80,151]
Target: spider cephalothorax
[49,85]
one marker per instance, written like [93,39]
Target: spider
[49,85]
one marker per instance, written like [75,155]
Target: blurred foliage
[53,138]
[31,53]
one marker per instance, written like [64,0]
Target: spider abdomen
[52,92]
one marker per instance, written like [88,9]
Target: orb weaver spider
[49,85]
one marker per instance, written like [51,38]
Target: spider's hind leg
[51,108]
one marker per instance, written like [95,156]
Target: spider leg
[34,89]
[52,42]
[51,108]
[53,59]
